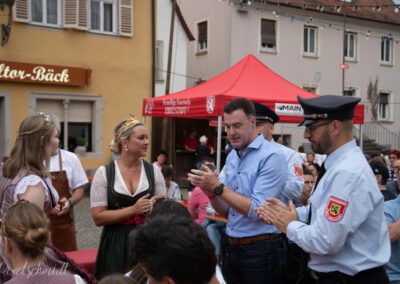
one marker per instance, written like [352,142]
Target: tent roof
[249,78]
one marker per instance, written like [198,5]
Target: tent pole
[219,143]
[361,129]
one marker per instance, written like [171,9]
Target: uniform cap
[328,107]
[264,113]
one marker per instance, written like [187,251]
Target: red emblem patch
[335,209]
[298,170]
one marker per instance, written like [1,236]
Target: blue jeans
[260,262]
[215,231]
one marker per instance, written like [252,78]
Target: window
[46,12]
[310,89]
[103,14]
[384,106]
[349,92]
[79,117]
[202,30]
[159,60]
[310,40]
[350,46]
[386,50]
[268,36]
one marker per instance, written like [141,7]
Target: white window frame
[354,90]
[114,15]
[97,115]
[307,41]
[351,37]
[269,49]
[387,107]
[202,47]
[160,72]
[310,88]
[44,13]
[384,42]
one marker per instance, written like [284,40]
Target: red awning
[249,78]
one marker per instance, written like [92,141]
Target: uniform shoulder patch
[298,170]
[335,209]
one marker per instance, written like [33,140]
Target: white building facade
[307,47]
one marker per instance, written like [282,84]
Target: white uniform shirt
[295,182]
[72,165]
[348,232]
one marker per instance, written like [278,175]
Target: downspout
[153,66]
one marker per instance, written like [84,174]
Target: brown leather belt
[249,240]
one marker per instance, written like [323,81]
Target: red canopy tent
[248,78]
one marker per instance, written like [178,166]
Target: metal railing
[379,134]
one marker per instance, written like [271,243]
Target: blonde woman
[25,174]
[122,192]
[25,236]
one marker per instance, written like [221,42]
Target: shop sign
[43,74]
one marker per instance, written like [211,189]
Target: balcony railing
[380,134]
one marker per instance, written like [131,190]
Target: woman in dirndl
[122,193]
[68,178]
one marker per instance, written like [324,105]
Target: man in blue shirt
[255,170]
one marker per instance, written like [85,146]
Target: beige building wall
[121,74]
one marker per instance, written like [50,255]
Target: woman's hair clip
[46,117]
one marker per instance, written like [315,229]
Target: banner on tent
[288,109]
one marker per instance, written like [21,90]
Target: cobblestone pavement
[87,233]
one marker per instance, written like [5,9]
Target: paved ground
[88,235]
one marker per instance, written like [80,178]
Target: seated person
[25,236]
[174,250]
[198,200]
[173,191]
[161,159]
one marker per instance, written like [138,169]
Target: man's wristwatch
[219,189]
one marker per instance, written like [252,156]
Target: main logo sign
[288,109]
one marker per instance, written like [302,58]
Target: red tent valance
[249,78]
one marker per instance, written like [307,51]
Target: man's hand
[276,213]
[205,179]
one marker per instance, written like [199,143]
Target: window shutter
[70,16]
[21,10]
[268,32]
[126,18]
[83,11]
[75,14]
[202,31]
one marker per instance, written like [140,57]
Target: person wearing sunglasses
[346,206]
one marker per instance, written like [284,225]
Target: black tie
[321,173]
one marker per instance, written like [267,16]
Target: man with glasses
[393,157]
[394,185]
[344,228]
[254,170]
[265,121]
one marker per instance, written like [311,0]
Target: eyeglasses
[309,129]
[309,182]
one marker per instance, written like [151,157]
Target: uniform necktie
[321,173]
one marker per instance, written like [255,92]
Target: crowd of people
[328,216]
